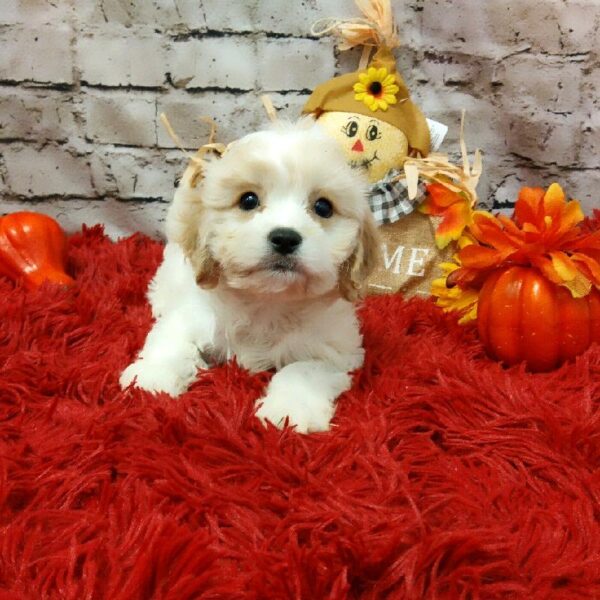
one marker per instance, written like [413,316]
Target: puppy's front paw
[153,377]
[307,414]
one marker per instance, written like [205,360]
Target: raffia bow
[436,168]
[451,189]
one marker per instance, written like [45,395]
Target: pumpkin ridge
[574,314]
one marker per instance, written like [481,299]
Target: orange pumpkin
[33,246]
[524,317]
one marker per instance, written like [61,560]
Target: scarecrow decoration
[382,131]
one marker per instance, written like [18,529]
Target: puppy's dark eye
[323,208]
[249,201]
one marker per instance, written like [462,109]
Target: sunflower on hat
[376,88]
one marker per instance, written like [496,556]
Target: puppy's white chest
[260,340]
[268,335]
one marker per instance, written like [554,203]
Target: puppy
[265,256]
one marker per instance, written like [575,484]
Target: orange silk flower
[544,233]
[453,207]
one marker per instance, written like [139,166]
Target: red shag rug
[445,476]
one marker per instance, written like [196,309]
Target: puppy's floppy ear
[207,269]
[355,271]
[184,227]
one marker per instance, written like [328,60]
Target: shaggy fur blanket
[444,476]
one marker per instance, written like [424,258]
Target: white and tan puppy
[263,261]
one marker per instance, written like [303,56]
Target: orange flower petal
[547,269]
[509,225]
[530,228]
[454,219]
[579,287]
[478,257]
[554,199]
[564,266]
[428,207]
[441,196]
[465,240]
[491,233]
[466,278]
[529,206]
[588,242]
[589,266]
[477,219]
[571,215]
[511,230]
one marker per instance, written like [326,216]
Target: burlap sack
[409,257]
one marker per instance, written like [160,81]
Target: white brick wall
[126,118]
[40,54]
[82,83]
[112,57]
[48,171]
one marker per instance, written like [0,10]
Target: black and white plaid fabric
[389,201]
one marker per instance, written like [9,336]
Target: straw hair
[376,28]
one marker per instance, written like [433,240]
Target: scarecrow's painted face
[368,142]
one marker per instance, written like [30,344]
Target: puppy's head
[280,213]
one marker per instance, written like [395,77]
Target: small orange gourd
[33,247]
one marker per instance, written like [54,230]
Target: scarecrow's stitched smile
[365,163]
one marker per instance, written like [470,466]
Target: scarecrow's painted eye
[249,201]
[350,128]
[323,208]
[373,132]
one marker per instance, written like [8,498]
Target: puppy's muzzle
[284,240]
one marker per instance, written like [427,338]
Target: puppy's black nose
[284,240]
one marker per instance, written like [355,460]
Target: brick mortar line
[173,33]
[243,33]
[30,84]
[529,163]
[89,147]
[12,197]
[82,85]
